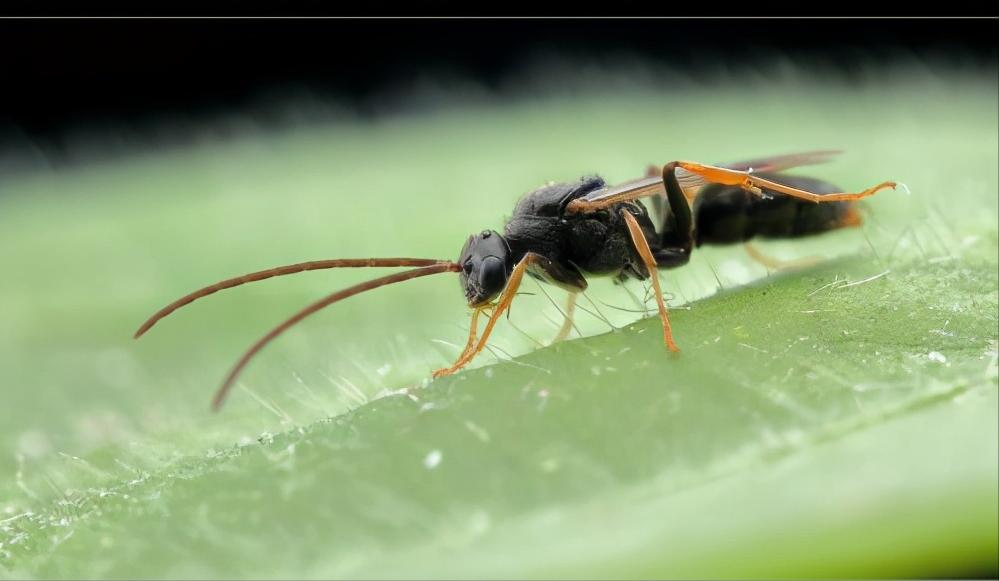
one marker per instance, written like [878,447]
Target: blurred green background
[835,421]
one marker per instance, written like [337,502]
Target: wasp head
[485,266]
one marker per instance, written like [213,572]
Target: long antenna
[230,379]
[281,271]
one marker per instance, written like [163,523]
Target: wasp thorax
[484,264]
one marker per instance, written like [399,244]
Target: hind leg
[778,264]
[755,184]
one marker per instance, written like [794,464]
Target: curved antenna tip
[146,326]
[230,380]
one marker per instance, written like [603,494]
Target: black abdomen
[729,214]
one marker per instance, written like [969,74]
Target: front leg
[473,330]
[505,299]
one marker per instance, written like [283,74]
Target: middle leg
[567,325]
[642,246]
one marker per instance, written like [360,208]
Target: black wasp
[562,232]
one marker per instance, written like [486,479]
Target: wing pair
[692,176]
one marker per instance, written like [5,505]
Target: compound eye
[492,274]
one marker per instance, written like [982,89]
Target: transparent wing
[631,190]
[690,182]
[778,163]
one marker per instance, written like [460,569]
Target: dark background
[62,74]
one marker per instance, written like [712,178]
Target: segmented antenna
[281,271]
[436,268]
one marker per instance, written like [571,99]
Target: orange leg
[570,309]
[501,305]
[642,245]
[472,332]
[469,345]
[756,185]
